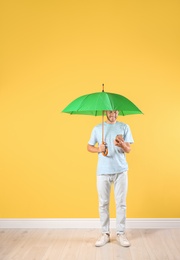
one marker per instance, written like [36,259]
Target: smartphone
[120,136]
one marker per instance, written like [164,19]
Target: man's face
[112,116]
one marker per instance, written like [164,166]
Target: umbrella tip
[102,87]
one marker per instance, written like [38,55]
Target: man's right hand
[102,148]
[97,149]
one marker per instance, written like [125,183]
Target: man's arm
[91,148]
[126,147]
[119,141]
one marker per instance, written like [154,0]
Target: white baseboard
[87,223]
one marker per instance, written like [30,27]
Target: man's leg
[103,188]
[120,192]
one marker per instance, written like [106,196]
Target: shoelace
[123,237]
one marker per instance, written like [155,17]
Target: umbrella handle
[105,153]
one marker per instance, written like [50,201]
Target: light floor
[78,244]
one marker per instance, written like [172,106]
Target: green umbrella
[96,103]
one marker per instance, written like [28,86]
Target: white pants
[120,181]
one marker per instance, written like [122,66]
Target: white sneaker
[122,239]
[104,239]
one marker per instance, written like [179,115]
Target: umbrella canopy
[95,103]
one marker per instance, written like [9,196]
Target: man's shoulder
[121,124]
[98,126]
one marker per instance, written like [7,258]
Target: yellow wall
[51,53]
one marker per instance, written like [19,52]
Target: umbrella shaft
[103,127]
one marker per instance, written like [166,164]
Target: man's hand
[119,141]
[102,148]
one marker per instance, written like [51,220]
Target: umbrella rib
[96,105]
[110,101]
[82,103]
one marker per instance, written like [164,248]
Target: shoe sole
[102,245]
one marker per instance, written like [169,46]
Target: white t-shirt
[115,161]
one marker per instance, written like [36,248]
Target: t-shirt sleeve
[128,136]
[93,138]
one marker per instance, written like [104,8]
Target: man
[112,169]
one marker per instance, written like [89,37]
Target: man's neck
[111,123]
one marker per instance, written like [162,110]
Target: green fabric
[96,103]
